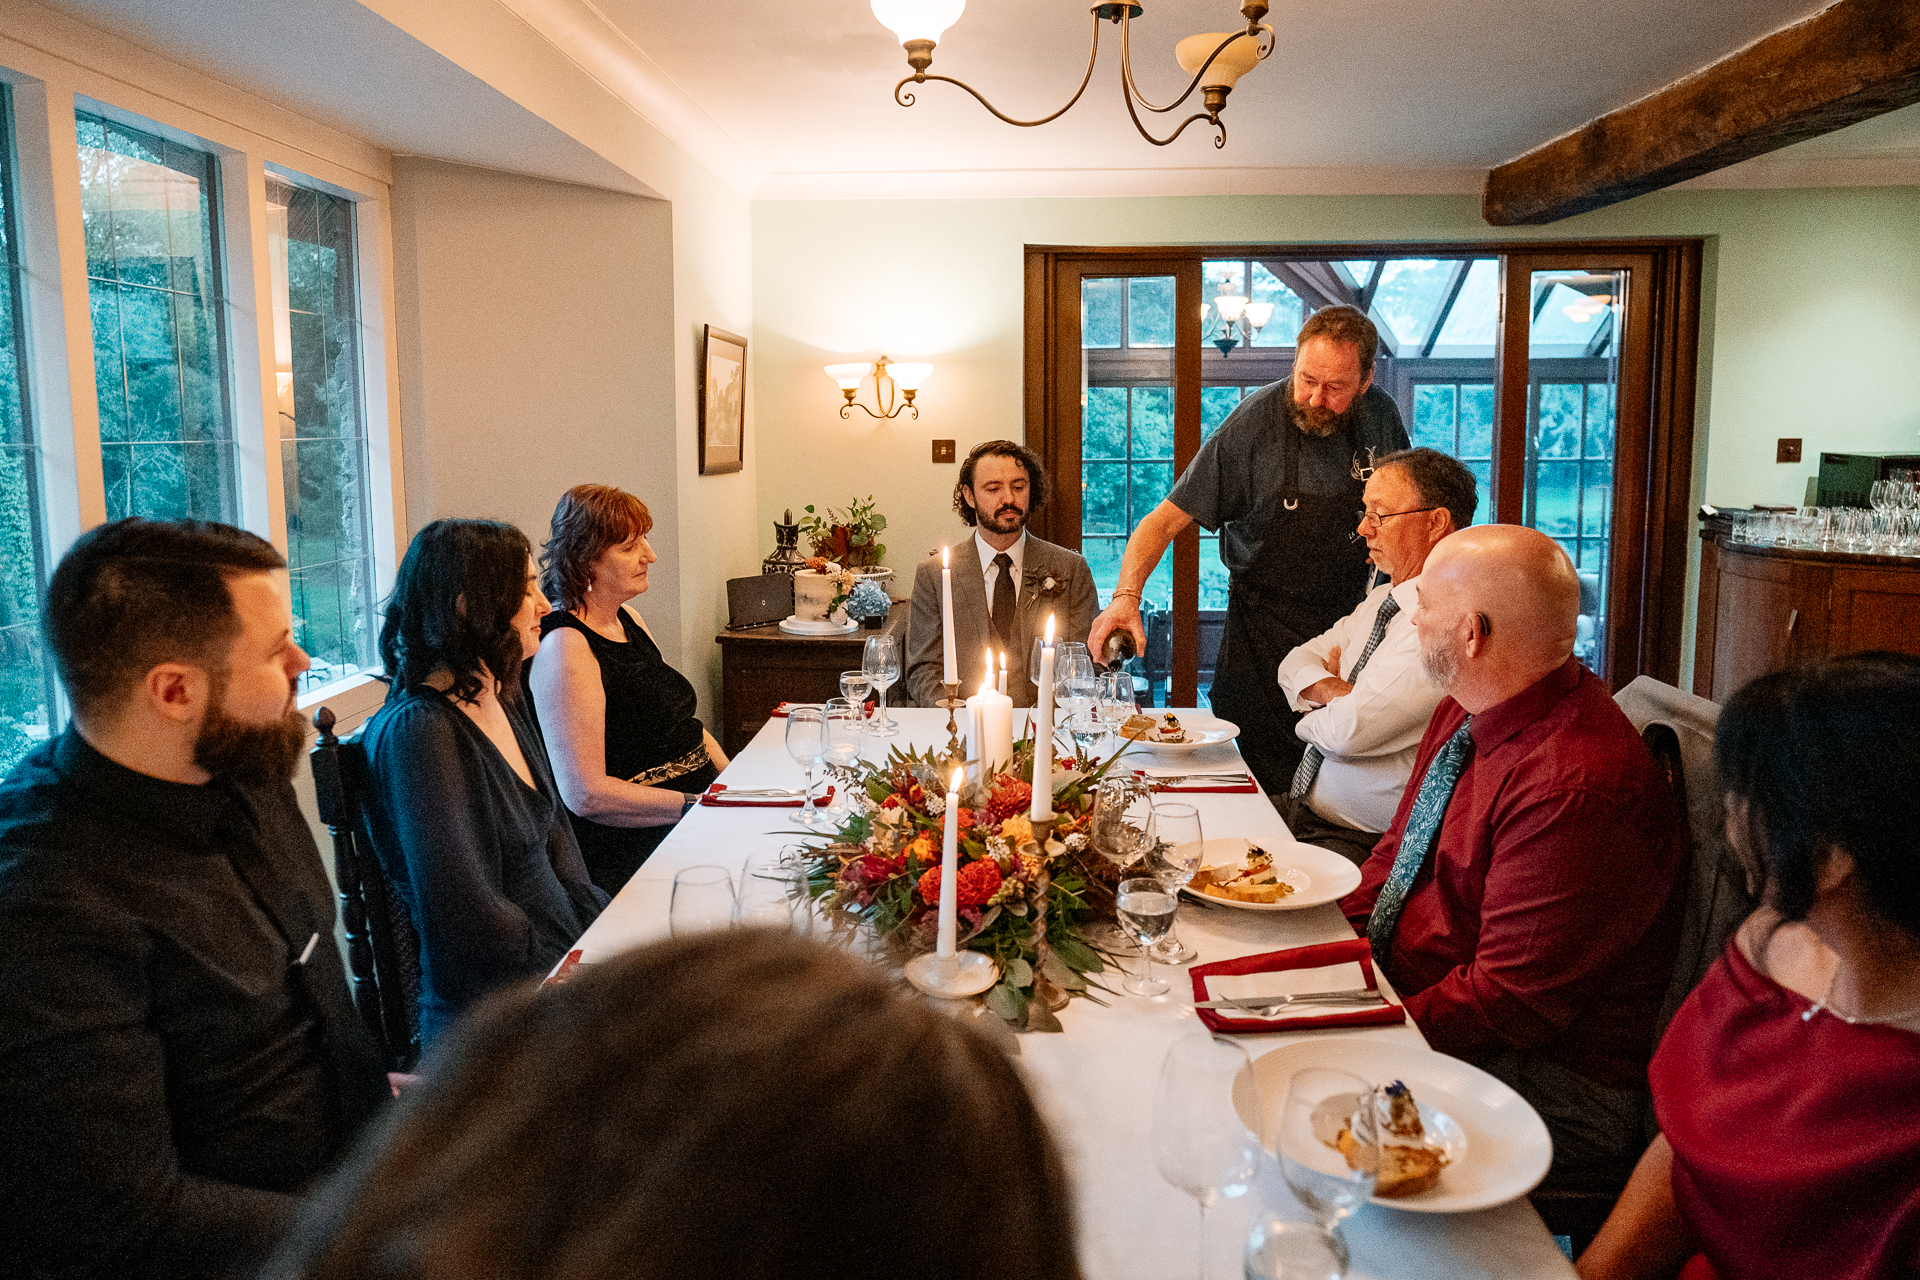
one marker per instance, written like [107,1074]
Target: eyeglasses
[1369,519]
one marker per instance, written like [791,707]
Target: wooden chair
[383,951]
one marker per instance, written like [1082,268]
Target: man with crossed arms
[1362,728]
[1526,900]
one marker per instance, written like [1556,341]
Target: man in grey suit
[1005,580]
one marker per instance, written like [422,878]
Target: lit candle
[949,672]
[986,673]
[1003,671]
[1042,807]
[992,739]
[949,870]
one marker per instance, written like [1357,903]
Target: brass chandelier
[1215,59]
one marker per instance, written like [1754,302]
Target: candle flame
[943,558]
[1003,659]
[959,776]
[1049,641]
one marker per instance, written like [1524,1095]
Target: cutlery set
[1267,1006]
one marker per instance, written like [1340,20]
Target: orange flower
[921,847]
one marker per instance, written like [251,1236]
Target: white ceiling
[1420,95]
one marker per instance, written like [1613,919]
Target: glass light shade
[919,19]
[1204,309]
[1258,313]
[1230,305]
[909,377]
[1234,61]
[849,376]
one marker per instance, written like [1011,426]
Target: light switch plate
[943,451]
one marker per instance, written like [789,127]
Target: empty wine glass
[1117,700]
[702,900]
[1087,728]
[806,743]
[1177,854]
[840,752]
[1200,1144]
[881,661]
[1144,908]
[1330,1175]
[1122,831]
[772,892]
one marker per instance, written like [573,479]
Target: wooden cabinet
[761,667]
[1764,607]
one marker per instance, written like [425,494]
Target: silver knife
[1319,998]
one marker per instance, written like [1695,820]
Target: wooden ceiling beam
[1854,60]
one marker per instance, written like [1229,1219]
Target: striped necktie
[1423,827]
[1310,762]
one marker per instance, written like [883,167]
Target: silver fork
[1331,999]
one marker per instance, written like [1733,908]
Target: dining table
[1094,1080]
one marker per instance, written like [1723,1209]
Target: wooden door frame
[1646,588]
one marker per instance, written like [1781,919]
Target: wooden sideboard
[761,667]
[1764,607]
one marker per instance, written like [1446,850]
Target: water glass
[1331,1183]
[1200,1144]
[807,743]
[854,687]
[1178,852]
[772,892]
[881,661]
[1281,1250]
[840,751]
[702,900]
[1123,828]
[1145,909]
[1087,728]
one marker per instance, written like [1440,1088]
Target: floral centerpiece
[1020,901]
[850,537]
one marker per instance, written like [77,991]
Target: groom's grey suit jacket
[1071,599]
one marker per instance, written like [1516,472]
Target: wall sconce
[1236,316]
[887,378]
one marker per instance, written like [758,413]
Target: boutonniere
[1045,586]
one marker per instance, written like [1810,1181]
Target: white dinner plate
[1202,731]
[1317,875]
[1505,1146]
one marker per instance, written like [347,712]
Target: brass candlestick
[956,753]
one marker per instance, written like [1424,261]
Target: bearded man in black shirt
[178,1054]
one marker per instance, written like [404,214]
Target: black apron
[1310,573]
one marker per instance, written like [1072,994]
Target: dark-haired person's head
[1818,763]
[727,1105]
[465,603]
[598,541]
[177,631]
[1332,368]
[1001,484]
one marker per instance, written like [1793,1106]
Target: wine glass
[1278,1249]
[1145,911]
[1116,700]
[854,687]
[806,743]
[771,893]
[1200,1144]
[881,661]
[1322,1103]
[1177,854]
[840,751]
[1087,728]
[1122,832]
[702,900]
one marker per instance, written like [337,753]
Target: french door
[1562,375]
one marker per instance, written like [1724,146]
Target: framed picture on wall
[723,403]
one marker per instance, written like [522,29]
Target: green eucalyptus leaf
[1019,973]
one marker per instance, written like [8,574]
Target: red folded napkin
[1314,957]
[780,711]
[715,796]
[563,970]
[1205,788]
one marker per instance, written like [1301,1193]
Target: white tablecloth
[1095,1082]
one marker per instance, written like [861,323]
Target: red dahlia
[1010,796]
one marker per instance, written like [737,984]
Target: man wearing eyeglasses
[1364,697]
[1279,480]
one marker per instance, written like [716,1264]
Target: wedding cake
[812,593]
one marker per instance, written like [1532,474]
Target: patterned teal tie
[1310,762]
[1423,827]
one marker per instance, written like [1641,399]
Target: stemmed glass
[1200,1144]
[854,687]
[840,751]
[702,900]
[1321,1102]
[1122,834]
[1177,854]
[1144,908]
[1087,728]
[807,743]
[1116,699]
[881,661]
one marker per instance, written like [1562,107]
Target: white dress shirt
[991,573]
[1369,736]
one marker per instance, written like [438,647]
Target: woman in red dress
[1788,1086]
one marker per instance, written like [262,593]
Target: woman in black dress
[629,753]
[465,817]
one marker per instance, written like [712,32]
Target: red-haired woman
[630,756]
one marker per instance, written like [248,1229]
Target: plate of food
[1271,875]
[1189,731]
[1454,1138]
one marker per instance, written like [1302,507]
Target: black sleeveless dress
[650,722]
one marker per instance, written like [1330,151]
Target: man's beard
[237,751]
[1014,519]
[1318,420]
[1441,662]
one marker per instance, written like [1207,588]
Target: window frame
[1653,453]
